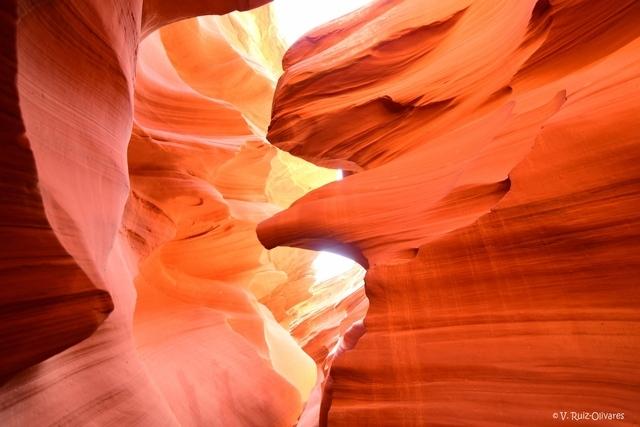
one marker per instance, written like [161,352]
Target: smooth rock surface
[494,200]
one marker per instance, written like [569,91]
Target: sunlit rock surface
[159,214]
[495,201]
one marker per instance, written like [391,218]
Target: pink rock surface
[130,258]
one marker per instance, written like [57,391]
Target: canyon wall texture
[164,188]
[494,198]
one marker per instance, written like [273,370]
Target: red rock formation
[496,205]
[491,149]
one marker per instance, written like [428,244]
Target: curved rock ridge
[493,196]
[134,180]
[47,303]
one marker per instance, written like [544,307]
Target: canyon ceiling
[171,184]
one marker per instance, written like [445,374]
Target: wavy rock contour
[493,198]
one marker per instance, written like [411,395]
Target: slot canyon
[311,213]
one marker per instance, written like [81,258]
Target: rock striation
[493,197]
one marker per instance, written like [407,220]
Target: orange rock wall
[495,197]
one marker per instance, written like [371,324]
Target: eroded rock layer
[494,197]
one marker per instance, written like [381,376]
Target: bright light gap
[297,17]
